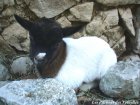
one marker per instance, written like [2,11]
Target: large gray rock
[122,80]
[118,2]
[17,37]
[21,65]
[82,12]
[126,16]
[37,92]
[49,8]
[4,74]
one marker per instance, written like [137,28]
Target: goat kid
[70,61]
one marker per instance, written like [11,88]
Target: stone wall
[104,19]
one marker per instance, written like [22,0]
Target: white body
[88,58]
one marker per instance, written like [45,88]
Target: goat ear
[71,30]
[24,23]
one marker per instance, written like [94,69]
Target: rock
[82,12]
[9,2]
[126,16]
[105,25]
[103,21]
[1,5]
[122,80]
[17,37]
[5,49]
[64,21]
[22,65]
[38,92]
[110,17]
[120,46]
[8,11]
[2,83]
[117,2]
[19,1]
[114,34]
[129,57]
[49,8]
[4,23]
[4,74]
[95,27]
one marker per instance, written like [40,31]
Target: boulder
[17,37]
[4,74]
[126,16]
[122,80]
[49,8]
[82,12]
[117,2]
[21,65]
[37,92]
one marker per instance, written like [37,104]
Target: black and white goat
[70,61]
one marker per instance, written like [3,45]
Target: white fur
[88,58]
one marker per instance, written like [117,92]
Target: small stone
[21,65]
[122,80]
[64,22]
[82,12]
[127,18]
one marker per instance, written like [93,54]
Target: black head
[45,33]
